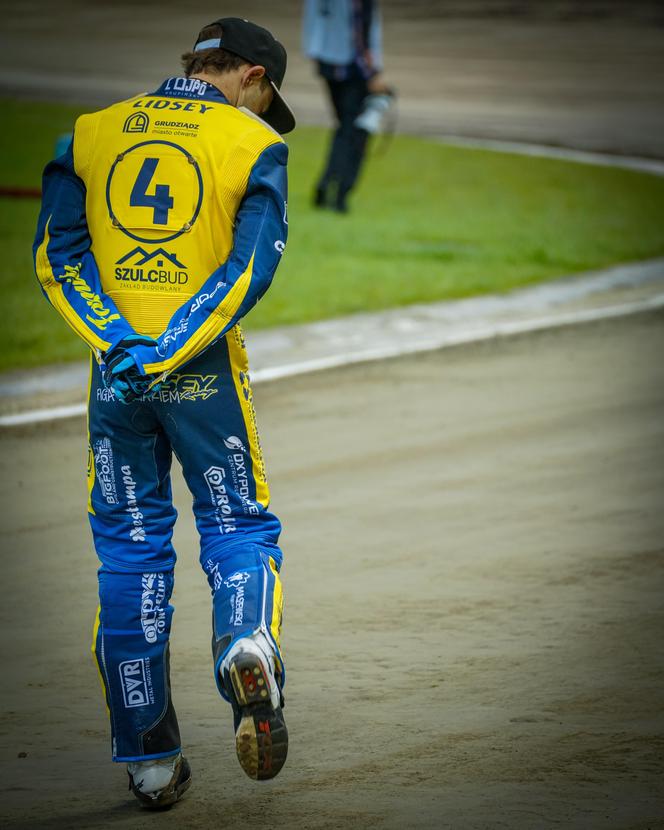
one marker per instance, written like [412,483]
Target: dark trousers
[349,143]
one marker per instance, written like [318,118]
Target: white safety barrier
[476,335]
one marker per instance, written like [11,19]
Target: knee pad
[131,647]
[246,597]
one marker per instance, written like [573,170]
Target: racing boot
[159,783]
[248,676]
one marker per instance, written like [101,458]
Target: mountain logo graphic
[144,257]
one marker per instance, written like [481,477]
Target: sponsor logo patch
[94,302]
[181,387]
[237,579]
[136,682]
[153,613]
[204,296]
[234,443]
[236,582]
[105,395]
[176,388]
[191,87]
[238,468]
[186,128]
[137,532]
[103,455]
[237,607]
[139,122]
[159,269]
[223,512]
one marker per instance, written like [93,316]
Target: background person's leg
[348,145]
[328,180]
[355,141]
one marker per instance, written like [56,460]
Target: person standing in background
[344,38]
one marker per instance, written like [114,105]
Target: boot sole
[261,739]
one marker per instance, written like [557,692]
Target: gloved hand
[121,374]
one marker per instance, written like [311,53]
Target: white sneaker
[159,783]
[248,675]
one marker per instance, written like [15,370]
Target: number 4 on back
[161,200]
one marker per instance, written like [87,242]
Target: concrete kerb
[644,165]
[479,333]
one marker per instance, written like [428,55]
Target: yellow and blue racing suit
[166,217]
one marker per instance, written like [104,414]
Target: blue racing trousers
[204,414]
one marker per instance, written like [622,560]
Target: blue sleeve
[261,228]
[64,263]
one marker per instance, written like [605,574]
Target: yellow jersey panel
[164,174]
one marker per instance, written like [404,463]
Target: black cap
[257,46]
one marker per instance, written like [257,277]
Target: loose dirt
[473,576]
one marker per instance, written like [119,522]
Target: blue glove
[121,374]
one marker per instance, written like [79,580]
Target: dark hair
[215,59]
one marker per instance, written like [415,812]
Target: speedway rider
[161,226]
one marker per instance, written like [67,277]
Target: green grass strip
[428,222]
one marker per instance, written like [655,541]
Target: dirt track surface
[473,583]
[587,75]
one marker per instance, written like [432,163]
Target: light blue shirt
[332,32]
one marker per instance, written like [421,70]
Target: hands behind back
[122,375]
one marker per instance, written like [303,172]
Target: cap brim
[279,115]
